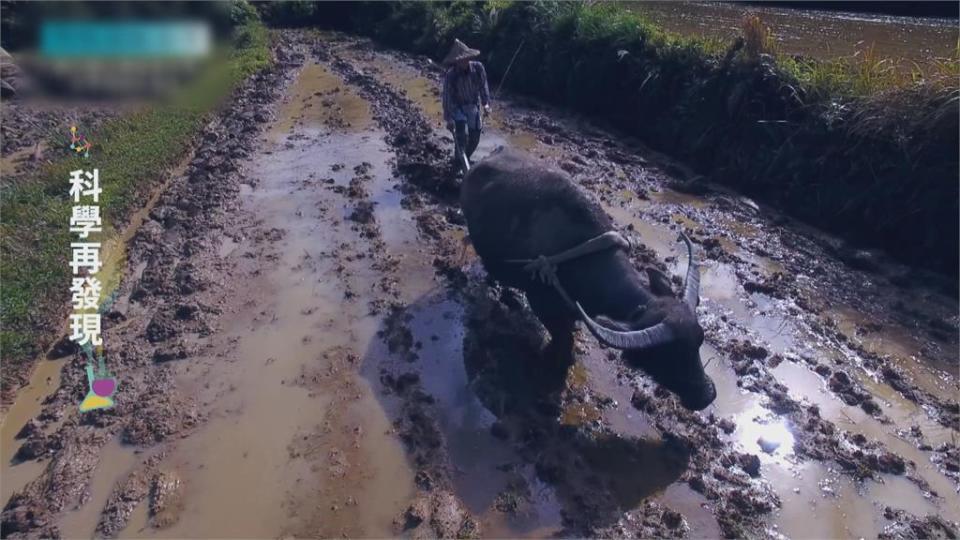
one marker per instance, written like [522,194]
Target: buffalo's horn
[691,285]
[657,334]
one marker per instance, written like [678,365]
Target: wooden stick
[507,72]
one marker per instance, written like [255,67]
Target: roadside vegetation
[132,153]
[859,146]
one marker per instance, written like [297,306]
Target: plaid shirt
[461,88]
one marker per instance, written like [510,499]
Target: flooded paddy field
[813,33]
[308,346]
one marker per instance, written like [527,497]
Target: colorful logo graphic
[101,385]
[79,143]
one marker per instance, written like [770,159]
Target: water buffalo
[516,208]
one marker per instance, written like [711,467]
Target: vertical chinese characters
[85,259]
[86,288]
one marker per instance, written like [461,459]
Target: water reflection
[757,428]
[482,465]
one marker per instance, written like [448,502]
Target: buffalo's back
[518,208]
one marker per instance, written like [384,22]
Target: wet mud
[308,346]
[165,294]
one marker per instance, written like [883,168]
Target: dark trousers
[467,138]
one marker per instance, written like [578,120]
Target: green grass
[131,152]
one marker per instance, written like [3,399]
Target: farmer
[464,91]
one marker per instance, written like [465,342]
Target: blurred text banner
[124,39]
[114,59]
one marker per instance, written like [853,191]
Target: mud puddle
[783,329]
[16,473]
[493,481]
[116,461]
[778,328]
[297,442]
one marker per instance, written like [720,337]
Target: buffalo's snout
[699,396]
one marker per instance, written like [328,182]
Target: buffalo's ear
[659,283]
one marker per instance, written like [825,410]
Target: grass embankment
[132,154]
[852,145]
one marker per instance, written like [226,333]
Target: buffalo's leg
[556,317]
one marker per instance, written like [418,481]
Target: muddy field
[308,346]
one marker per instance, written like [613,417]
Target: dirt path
[308,347]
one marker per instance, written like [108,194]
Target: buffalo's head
[663,337]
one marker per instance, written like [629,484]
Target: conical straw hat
[459,51]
